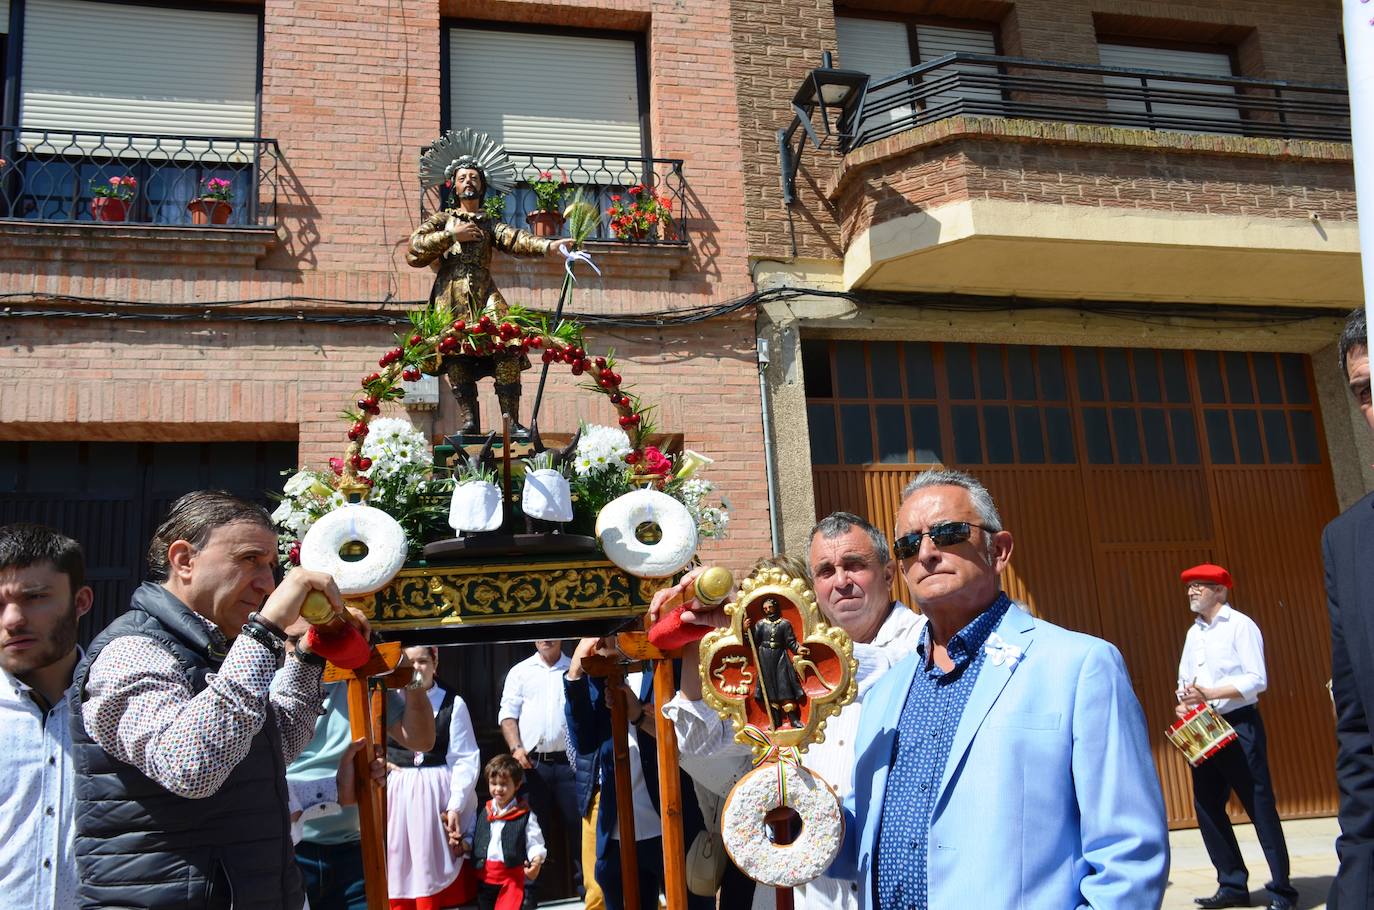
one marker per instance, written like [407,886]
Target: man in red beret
[1346,548]
[1223,665]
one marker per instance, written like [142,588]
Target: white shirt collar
[13,689]
[899,621]
[1223,614]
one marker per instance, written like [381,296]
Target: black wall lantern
[838,95]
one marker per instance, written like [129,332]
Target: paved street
[1311,848]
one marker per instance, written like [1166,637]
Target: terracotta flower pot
[209,211]
[108,208]
[545,224]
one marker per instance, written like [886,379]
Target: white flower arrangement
[395,447]
[399,471]
[601,449]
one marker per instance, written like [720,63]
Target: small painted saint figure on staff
[775,644]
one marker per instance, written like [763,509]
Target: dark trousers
[1242,767]
[649,854]
[333,875]
[551,790]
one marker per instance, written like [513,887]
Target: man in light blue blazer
[1005,764]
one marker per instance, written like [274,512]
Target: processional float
[489,537]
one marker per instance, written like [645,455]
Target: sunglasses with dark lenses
[944,534]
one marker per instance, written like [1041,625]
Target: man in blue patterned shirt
[1005,763]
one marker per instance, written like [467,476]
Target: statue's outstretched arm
[429,241]
[519,243]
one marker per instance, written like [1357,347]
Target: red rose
[655,462]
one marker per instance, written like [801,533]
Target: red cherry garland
[482,337]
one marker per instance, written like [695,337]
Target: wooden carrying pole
[624,794]
[367,721]
[636,645]
[371,820]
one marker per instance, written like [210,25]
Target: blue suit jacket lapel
[1014,629]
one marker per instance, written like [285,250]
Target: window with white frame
[569,105]
[175,106]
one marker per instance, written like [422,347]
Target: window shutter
[878,47]
[546,93]
[172,72]
[4,17]
[934,42]
[1203,63]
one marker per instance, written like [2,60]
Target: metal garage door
[1116,469]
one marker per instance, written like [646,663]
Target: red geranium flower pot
[108,208]
[545,224]
[209,211]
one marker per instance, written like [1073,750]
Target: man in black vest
[1348,549]
[180,749]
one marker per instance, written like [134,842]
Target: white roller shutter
[4,17]
[879,47]
[546,93]
[114,68]
[934,42]
[1203,63]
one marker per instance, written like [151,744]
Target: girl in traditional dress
[430,795]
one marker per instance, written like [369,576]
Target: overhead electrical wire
[287,309]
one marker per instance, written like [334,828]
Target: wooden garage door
[110,496]
[1116,469]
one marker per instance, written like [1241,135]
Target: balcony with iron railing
[65,177]
[609,183]
[996,86]
[1038,178]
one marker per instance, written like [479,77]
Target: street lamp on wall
[838,95]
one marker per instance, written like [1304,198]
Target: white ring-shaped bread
[746,834]
[616,524]
[383,536]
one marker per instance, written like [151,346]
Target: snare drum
[1200,734]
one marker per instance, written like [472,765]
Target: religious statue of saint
[775,643]
[460,241]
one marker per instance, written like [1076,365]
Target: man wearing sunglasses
[1007,757]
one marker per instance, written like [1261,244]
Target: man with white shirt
[852,571]
[1223,665]
[42,596]
[531,719]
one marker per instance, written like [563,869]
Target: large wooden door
[1116,469]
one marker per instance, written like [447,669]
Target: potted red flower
[212,206]
[546,220]
[641,213]
[111,199]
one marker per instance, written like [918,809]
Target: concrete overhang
[1008,248]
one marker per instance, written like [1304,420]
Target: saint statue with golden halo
[459,242]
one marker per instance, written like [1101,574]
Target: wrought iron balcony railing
[53,176]
[612,184]
[987,85]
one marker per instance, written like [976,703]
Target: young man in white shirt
[1223,665]
[531,719]
[42,596]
